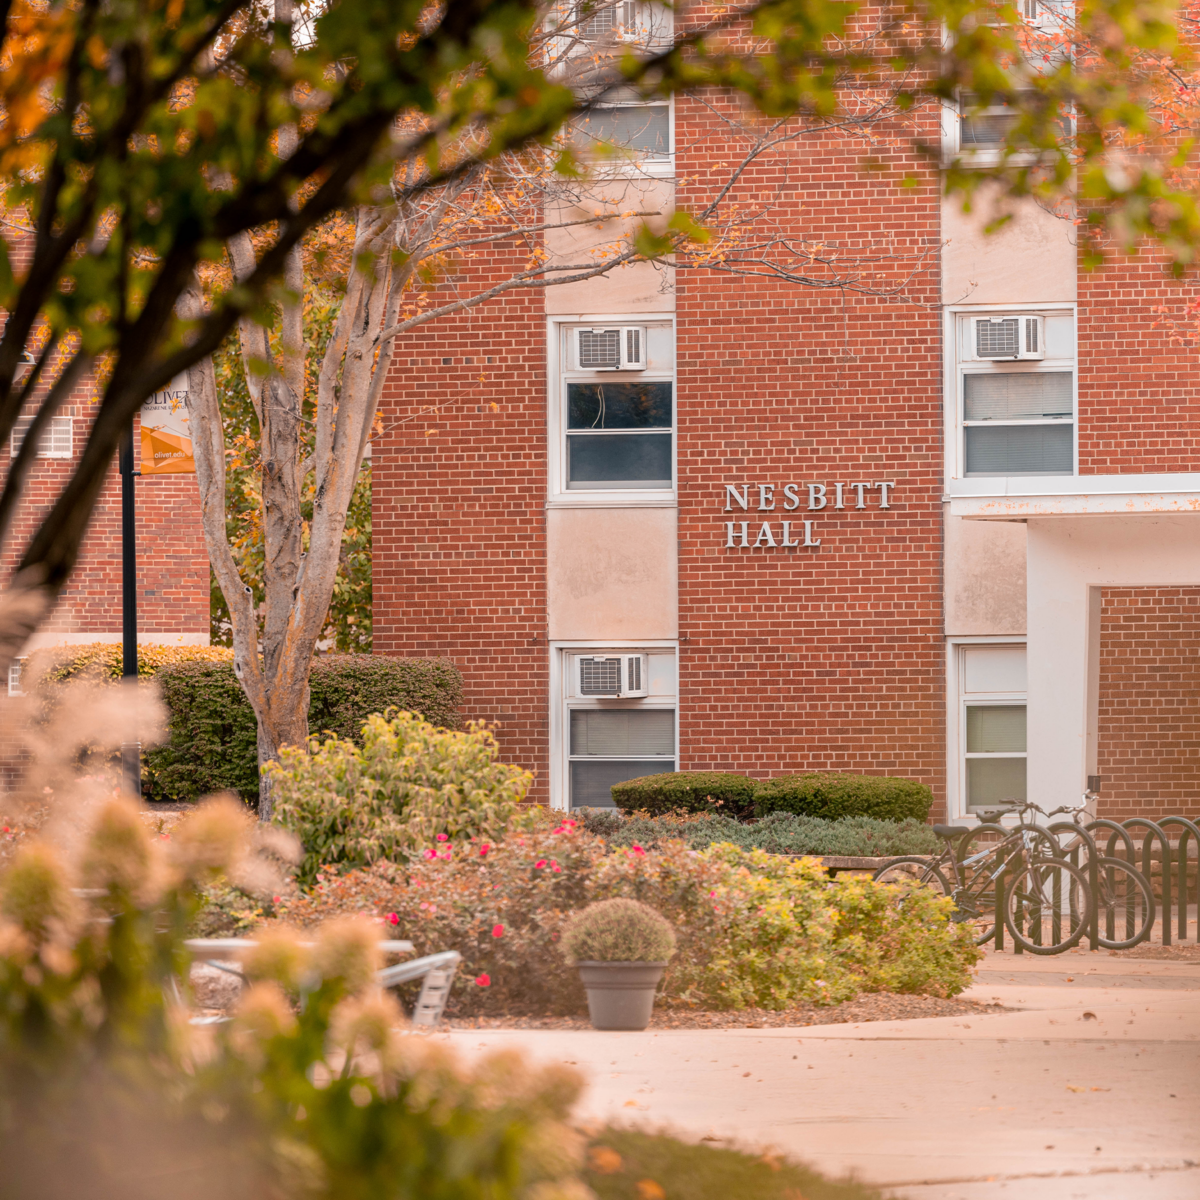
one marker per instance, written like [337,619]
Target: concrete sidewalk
[1091,1091]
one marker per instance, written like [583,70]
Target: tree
[141,141]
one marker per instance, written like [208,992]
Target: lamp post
[131,752]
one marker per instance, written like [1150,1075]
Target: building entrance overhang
[1020,499]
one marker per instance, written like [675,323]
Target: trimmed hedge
[686,791]
[213,742]
[834,796]
[780,833]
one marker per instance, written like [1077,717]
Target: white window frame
[558,376]
[633,164]
[956,721]
[562,703]
[14,677]
[955,369]
[60,429]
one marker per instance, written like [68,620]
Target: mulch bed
[1187,952]
[869,1006]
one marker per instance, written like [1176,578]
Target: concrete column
[1069,560]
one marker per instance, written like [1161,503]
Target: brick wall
[1139,408]
[1149,714]
[458,493]
[827,657]
[173,571]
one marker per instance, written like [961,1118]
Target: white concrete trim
[1014,499]
[1069,562]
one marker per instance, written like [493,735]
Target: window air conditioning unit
[1017,337]
[622,348]
[615,675]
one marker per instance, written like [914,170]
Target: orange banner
[166,434]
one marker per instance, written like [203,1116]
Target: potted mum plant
[621,948]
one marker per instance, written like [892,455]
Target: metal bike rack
[1190,831]
[1155,830]
[1093,933]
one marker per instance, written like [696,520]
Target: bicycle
[1047,901]
[1120,891]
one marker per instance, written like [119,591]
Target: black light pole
[131,752]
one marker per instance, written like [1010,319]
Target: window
[1016,418]
[14,678]
[642,129]
[56,441]
[617,423]
[608,739]
[992,697]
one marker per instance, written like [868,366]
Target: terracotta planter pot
[620,994]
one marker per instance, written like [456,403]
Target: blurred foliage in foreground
[312,1091]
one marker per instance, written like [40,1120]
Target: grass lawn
[625,1164]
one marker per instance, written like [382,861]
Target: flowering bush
[106,1090]
[751,929]
[411,785]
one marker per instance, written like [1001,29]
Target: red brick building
[713,520]
[173,573]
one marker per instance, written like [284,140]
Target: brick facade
[458,490]
[1149,714]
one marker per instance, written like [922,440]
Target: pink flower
[541,862]
[497,931]
[446,855]
[441,837]
[713,892]
[484,980]
[429,854]
[638,852]
[274,899]
[393,918]
[483,850]
[568,824]
[556,866]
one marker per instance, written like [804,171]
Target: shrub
[117,1091]
[834,796]
[617,931]
[213,742]
[779,833]
[751,929]
[411,785]
[686,791]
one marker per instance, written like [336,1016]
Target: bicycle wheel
[912,870]
[1124,904]
[1047,905]
[977,897]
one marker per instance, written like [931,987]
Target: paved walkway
[1090,1092]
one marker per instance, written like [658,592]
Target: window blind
[1017,395]
[996,729]
[613,733]
[591,782]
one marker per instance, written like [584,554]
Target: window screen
[1020,449]
[591,782]
[643,128]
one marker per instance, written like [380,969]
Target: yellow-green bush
[411,786]
[752,929]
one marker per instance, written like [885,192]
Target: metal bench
[436,970]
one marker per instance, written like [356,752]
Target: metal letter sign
[738,534]
[166,433]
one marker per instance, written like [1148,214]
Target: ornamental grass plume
[618,930]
